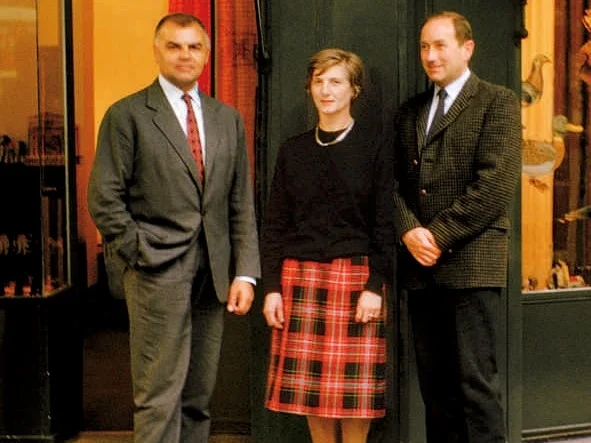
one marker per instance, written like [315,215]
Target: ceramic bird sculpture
[532,88]
[538,158]
[583,55]
[582,213]
[560,127]
[587,20]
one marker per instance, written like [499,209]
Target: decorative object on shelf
[560,127]
[12,152]
[529,284]
[532,88]
[48,285]
[542,157]
[10,288]
[8,150]
[538,159]
[582,213]
[22,244]
[558,277]
[27,287]
[46,140]
[4,244]
[583,55]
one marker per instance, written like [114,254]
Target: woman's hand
[273,310]
[369,307]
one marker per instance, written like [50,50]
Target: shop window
[556,192]
[34,259]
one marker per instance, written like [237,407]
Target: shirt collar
[173,93]
[454,88]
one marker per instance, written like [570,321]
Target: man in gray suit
[181,245]
[457,166]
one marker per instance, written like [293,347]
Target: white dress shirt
[453,90]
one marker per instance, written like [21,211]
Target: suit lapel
[458,106]
[213,133]
[422,120]
[167,122]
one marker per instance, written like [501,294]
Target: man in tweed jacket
[456,175]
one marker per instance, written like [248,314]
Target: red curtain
[233,59]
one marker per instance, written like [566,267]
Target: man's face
[444,59]
[181,53]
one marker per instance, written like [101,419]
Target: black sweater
[330,202]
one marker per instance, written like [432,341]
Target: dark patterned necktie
[193,136]
[442,94]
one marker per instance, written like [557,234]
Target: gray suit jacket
[146,199]
[459,184]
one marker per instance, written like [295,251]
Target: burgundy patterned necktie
[193,136]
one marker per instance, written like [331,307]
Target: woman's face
[332,91]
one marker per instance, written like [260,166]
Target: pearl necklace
[341,136]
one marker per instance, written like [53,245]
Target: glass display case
[34,143]
[40,339]
[556,215]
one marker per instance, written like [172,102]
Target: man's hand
[240,297]
[273,310]
[369,307]
[421,244]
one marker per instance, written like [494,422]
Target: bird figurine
[532,88]
[583,55]
[538,158]
[582,213]
[587,20]
[583,62]
[560,127]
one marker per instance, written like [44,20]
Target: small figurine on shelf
[4,142]
[8,151]
[559,276]
[10,288]
[22,151]
[4,244]
[529,284]
[48,286]
[22,244]
[27,286]
[576,281]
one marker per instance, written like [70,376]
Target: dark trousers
[455,343]
[176,325]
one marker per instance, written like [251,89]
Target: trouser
[455,343]
[176,325]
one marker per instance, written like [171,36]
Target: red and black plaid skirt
[322,362]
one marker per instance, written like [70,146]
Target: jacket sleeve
[242,220]
[382,250]
[277,220]
[111,172]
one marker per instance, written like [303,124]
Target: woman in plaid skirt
[327,247]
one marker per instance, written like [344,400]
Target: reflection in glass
[33,191]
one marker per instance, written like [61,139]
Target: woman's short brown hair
[327,58]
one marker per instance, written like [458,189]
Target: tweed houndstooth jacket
[459,184]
